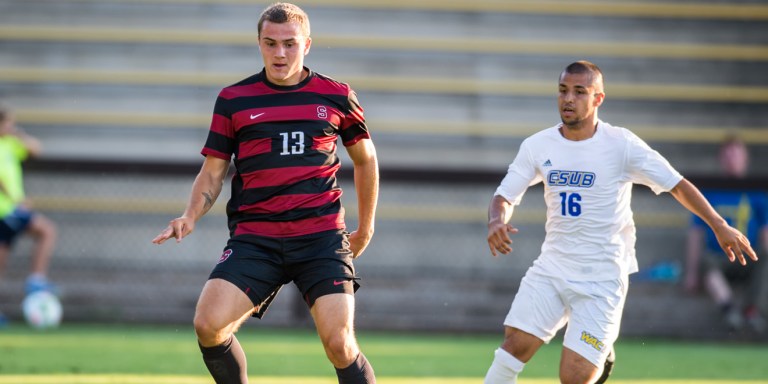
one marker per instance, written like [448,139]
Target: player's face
[283,47]
[579,97]
[734,159]
[7,125]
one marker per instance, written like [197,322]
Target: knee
[576,378]
[520,344]
[51,231]
[341,349]
[578,374]
[45,228]
[208,331]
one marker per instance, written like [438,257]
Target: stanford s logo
[224,256]
[322,112]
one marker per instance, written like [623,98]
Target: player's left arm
[32,144]
[366,173]
[731,240]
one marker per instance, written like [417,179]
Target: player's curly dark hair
[282,13]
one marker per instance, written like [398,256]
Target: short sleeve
[18,147]
[646,166]
[353,127]
[520,175]
[221,135]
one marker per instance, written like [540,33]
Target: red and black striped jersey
[283,143]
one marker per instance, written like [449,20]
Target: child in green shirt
[16,217]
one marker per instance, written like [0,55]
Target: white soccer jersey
[587,189]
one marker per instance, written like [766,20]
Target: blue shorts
[14,224]
[319,264]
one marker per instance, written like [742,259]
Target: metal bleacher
[478,77]
[450,86]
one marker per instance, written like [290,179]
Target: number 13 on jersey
[293,143]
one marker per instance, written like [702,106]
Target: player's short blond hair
[283,13]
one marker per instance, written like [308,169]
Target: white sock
[36,277]
[504,369]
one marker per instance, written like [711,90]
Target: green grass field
[90,354]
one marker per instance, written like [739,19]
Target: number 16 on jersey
[570,204]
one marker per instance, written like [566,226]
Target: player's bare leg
[757,299]
[334,319]
[510,359]
[575,369]
[720,290]
[43,230]
[220,311]
[334,316]
[4,252]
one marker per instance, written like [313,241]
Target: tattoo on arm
[209,200]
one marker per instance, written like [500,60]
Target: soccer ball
[42,309]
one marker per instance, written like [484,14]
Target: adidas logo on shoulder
[547,163]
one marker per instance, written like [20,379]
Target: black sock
[226,362]
[359,372]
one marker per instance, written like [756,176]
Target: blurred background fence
[121,92]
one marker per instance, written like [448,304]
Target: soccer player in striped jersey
[281,127]
[580,277]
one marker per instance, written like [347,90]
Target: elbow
[682,186]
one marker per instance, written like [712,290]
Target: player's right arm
[32,144]
[520,175]
[205,191]
[499,213]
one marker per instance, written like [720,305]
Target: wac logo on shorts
[591,340]
[224,256]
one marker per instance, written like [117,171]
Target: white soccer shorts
[592,310]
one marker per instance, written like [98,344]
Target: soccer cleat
[607,368]
[758,324]
[755,320]
[36,283]
[734,319]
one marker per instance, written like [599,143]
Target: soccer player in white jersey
[580,278]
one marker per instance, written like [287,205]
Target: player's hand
[178,228]
[498,237]
[735,244]
[358,242]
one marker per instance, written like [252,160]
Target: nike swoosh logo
[256,116]
[335,282]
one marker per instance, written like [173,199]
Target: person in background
[16,214]
[746,210]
